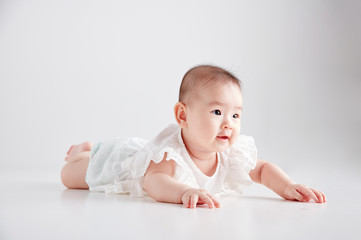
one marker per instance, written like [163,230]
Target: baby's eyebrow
[217,103]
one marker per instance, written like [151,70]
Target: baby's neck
[202,156]
[207,167]
[205,162]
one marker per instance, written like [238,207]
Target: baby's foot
[74,149]
[78,156]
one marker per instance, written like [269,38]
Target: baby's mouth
[223,138]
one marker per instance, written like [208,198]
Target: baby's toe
[70,149]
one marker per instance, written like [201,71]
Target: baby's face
[214,117]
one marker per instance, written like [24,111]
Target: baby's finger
[307,193]
[318,195]
[193,201]
[215,200]
[186,200]
[207,200]
[296,195]
[324,197]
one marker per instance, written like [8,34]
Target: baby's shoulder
[168,137]
[167,144]
[164,166]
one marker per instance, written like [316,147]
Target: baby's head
[203,76]
[209,108]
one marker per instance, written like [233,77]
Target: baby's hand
[303,193]
[192,197]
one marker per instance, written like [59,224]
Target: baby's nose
[227,125]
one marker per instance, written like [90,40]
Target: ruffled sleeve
[242,158]
[135,166]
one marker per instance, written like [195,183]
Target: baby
[190,163]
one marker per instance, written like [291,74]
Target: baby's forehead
[214,84]
[215,91]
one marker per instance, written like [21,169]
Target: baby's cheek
[233,139]
[208,133]
[207,128]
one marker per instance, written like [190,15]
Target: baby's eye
[235,115]
[217,112]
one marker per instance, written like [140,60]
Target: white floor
[34,205]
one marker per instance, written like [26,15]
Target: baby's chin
[222,147]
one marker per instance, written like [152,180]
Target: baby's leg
[74,171]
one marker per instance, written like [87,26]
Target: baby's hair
[203,76]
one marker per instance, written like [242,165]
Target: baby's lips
[223,137]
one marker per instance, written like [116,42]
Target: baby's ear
[180,112]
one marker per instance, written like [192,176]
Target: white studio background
[72,71]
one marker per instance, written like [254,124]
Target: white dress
[118,166]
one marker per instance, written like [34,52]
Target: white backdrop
[72,71]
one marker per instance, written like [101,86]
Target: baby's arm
[275,179]
[161,186]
